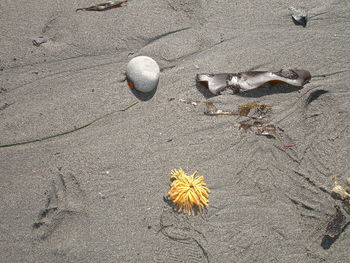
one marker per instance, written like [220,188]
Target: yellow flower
[187,191]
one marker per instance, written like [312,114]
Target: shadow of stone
[143,96]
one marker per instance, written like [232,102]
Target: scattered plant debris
[260,109]
[211,109]
[255,113]
[103,6]
[240,82]
[243,110]
[259,128]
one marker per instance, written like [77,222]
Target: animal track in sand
[183,242]
[64,220]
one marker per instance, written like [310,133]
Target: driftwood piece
[240,82]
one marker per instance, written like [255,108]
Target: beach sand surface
[89,181]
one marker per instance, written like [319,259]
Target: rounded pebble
[143,73]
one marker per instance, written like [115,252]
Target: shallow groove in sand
[67,132]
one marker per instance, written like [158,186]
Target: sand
[93,189]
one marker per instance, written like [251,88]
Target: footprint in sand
[182,241]
[62,225]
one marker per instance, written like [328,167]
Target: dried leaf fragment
[245,109]
[103,6]
[213,110]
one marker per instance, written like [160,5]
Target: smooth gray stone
[143,73]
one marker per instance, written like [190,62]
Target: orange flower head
[187,191]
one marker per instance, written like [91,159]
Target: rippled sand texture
[88,182]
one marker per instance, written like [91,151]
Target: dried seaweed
[336,223]
[211,109]
[255,113]
[243,81]
[261,109]
[103,6]
[243,110]
[335,227]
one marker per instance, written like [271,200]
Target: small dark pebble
[93,90]
[149,227]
